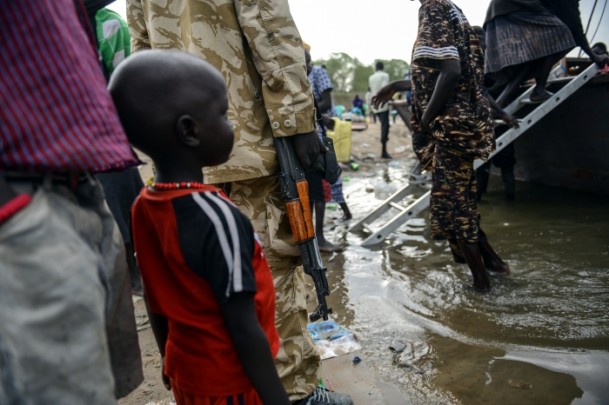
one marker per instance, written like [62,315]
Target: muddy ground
[361,380]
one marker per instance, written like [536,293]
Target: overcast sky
[382,29]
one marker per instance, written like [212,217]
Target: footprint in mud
[520,384]
[415,356]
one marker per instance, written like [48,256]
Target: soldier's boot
[471,253]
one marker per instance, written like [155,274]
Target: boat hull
[569,147]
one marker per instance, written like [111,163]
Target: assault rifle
[295,191]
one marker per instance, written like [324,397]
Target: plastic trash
[332,339]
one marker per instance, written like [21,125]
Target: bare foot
[482,288]
[481,282]
[499,267]
[492,261]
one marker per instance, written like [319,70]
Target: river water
[540,337]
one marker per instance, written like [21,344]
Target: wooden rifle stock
[295,191]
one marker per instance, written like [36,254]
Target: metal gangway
[376,235]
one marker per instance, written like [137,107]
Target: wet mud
[540,336]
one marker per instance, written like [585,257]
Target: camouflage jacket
[464,125]
[256,46]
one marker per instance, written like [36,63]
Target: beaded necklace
[177,185]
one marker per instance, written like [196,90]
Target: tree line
[350,76]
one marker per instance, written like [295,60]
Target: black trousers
[384,119]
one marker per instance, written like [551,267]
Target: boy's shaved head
[153,89]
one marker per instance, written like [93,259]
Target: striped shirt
[114,41]
[195,250]
[56,113]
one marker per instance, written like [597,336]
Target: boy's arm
[253,348]
[220,246]
[160,330]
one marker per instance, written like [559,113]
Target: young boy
[207,283]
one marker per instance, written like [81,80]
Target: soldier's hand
[306,147]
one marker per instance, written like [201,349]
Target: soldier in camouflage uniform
[257,48]
[452,120]
[452,127]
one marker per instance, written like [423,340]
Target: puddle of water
[541,335]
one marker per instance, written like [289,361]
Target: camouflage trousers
[453,209]
[298,361]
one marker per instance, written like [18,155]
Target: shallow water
[541,335]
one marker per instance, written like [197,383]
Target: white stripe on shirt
[457,14]
[448,52]
[222,237]
[234,233]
